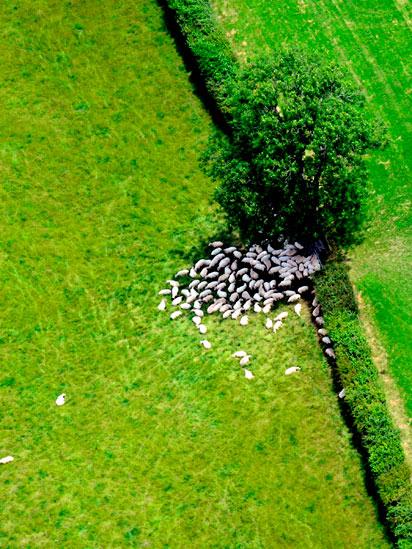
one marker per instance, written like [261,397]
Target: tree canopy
[294,162]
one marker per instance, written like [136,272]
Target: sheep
[342,393]
[162,305]
[177,301]
[329,352]
[292,370]
[326,340]
[183,272]
[61,399]
[257,297]
[266,308]
[294,298]
[213,274]
[234,297]
[175,291]
[322,332]
[278,324]
[202,328]
[207,298]
[221,293]
[244,321]
[216,251]
[204,272]
[247,305]
[246,278]
[223,263]
[233,265]
[298,308]
[238,305]
[227,313]
[197,320]
[282,316]
[277,296]
[199,312]
[257,308]
[6,459]
[236,314]
[216,260]
[269,324]
[237,254]
[216,244]
[239,354]
[192,273]
[303,289]
[248,374]
[165,292]
[298,246]
[245,360]
[230,249]
[175,314]
[206,344]
[173,283]
[186,306]
[240,289]
[319,321]
[316,311]
[285,283]
[223,277]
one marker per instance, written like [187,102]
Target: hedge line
[365,398]
[356,370]
[206,42]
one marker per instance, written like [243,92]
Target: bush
[366,399]
[293,164]
[206,43]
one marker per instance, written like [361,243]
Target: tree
[294,161]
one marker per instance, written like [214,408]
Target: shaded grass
[373,40]
[101,200]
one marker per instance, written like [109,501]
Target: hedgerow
[355,368]
[365,398]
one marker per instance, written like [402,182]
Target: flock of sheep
[233,283]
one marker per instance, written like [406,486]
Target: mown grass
[102,199]
[372,39]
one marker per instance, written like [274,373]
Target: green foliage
[366,399]
[293,163]
[206,43]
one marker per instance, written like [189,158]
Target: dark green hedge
[206,43]
[356,370]
[365,398]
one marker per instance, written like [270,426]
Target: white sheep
[175,314]
[6,459]
[162,305]
[165,292]
[244,321]
[282,316]
[202,328]
[248,374]
[206,344]
[183,272]
[61,399]
[239,354]
[278,324]
[245,360]
[292,370]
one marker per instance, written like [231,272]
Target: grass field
[159,444]
[373,40]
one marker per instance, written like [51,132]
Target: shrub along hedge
[365,398]
[355,368]
[206,42]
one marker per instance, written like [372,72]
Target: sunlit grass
[160,443]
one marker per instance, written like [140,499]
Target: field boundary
[370,418]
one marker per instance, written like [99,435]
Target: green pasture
[373,40]
[160,444]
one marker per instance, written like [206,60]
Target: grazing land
[373,40]
[160,443]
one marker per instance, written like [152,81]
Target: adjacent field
[159,444]
[373,39]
